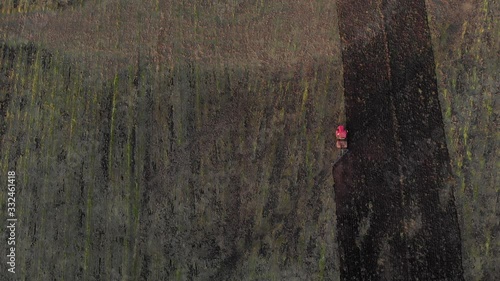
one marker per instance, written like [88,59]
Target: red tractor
[341,135]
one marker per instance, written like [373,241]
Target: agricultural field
[186,140]
[466,39]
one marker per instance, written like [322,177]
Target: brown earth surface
[396,215]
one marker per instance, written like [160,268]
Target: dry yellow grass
[110,34]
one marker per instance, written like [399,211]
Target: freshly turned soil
[395,211]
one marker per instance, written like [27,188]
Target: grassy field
[194,140]
[466,48]
[108,35]
[191,172]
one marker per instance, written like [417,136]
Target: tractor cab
[341,135]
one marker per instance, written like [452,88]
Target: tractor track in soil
[396,215]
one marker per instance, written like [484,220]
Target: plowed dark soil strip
[396,215]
